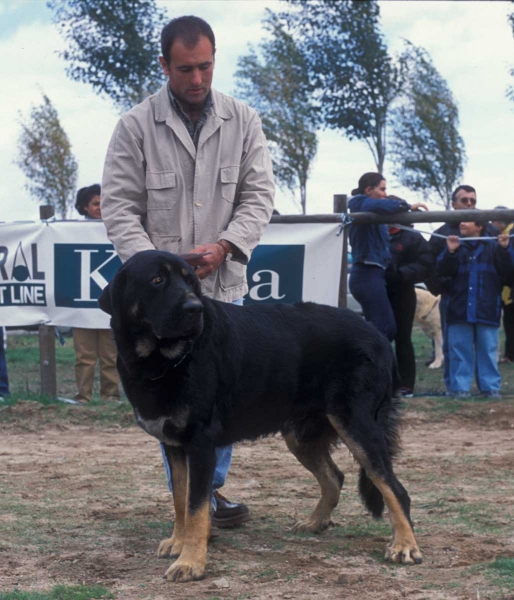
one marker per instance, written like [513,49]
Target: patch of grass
[501,572]
[23,367]
[61,592]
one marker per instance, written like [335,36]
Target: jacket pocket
[232,275]
[229,178]
[161,188]
[170,243]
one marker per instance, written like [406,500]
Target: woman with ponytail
[370,251]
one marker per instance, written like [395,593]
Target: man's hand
[418,206]
[452,242]
[503,240]
[208,264]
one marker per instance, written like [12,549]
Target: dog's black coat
[202,374]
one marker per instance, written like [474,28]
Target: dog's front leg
[176,457]
[190,565]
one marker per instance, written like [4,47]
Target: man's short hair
[189,29]
[466,188]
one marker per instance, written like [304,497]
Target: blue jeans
[467,342]
[368,287]
[4,380]
[223,457]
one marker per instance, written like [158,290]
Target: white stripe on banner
[53,273]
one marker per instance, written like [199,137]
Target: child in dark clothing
[478,270]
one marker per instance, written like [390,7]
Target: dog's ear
[109,300]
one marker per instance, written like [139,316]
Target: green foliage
[277,85]
[112,45]
[46,159]
[61,592]
[355,78]
[427,151]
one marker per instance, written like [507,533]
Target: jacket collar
[163,108]
[163,111]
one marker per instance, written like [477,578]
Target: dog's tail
[388,419]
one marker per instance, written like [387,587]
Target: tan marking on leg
[173,545]
[190,566]
[403,547]
[328,482]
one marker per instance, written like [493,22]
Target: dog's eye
[157,280]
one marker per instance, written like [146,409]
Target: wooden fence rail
[47,332]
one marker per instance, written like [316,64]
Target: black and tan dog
[202,374]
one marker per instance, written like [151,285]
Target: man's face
[464,200]
[190,71]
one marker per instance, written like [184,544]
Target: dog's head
[156,296]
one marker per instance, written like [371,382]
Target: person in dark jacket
[464,197]
[370,251]
[507,301]
[412,262]
[477,270]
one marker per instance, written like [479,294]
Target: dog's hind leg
[315,457]
[178,466]
[365,440]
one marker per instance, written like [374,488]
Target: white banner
[53,273]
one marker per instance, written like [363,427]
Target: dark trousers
[508,325]
[403,302]
[368,287]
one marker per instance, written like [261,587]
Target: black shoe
[228,514]
[406,392]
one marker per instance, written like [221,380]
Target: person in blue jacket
[370,251]
[478,269]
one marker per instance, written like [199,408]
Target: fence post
[47,367]
[340,206]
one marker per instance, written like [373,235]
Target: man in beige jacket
[188,170]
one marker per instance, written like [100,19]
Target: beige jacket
[158,191]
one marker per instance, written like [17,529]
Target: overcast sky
[470,43]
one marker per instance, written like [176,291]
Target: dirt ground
[87,503]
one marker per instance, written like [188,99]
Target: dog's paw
[311,526]
[436,364]
[169,548]
[406,553]
[182,571]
